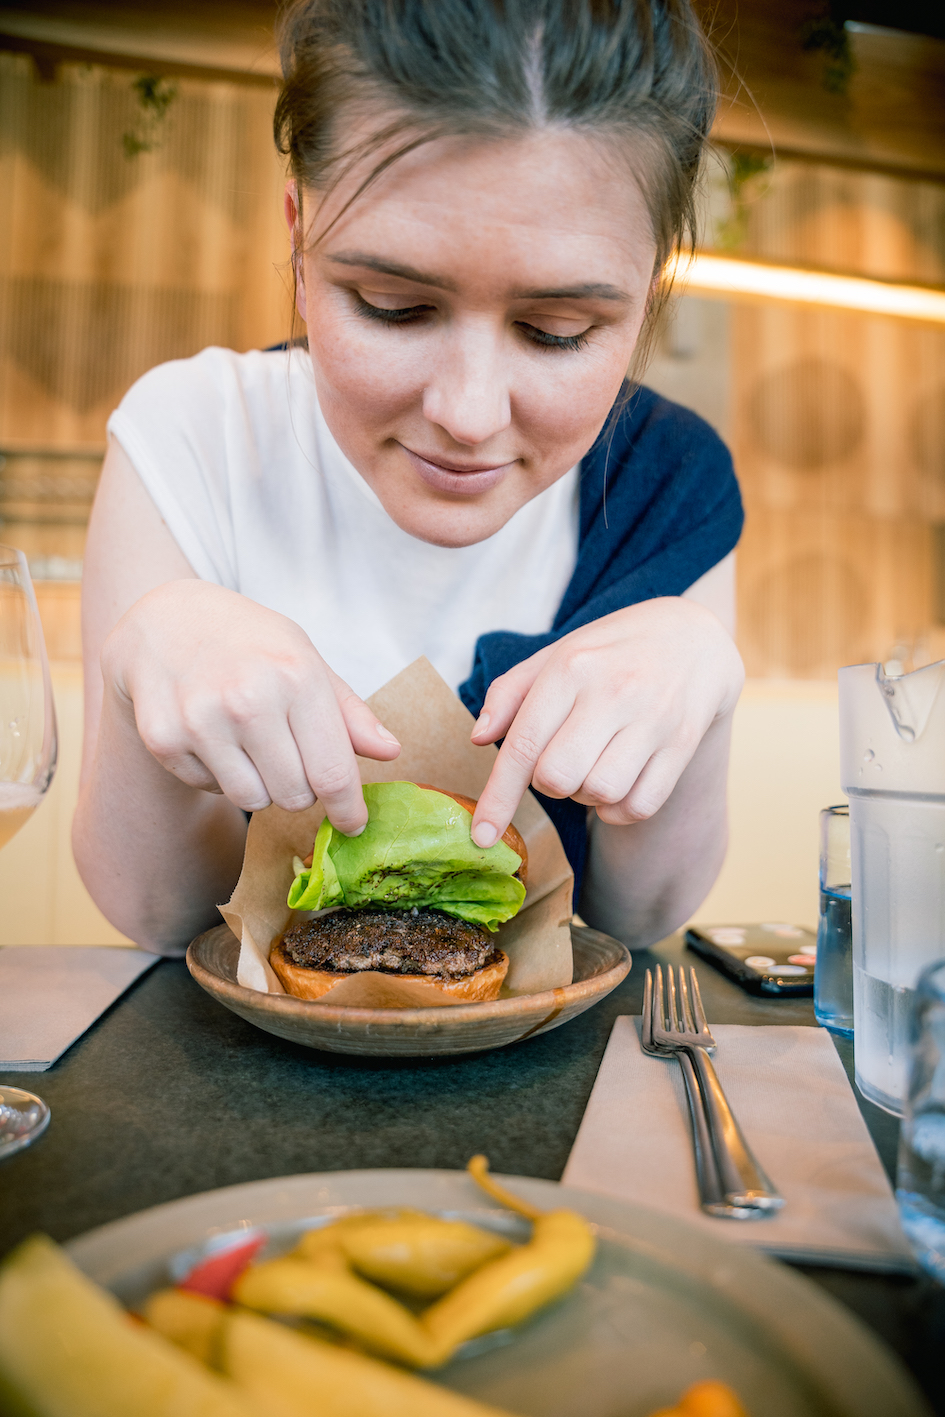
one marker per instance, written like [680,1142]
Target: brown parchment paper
[433,727]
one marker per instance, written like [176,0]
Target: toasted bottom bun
[476,988]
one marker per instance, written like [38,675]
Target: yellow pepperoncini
[509,1289]
[296,1375]
[192,1321]
[422,1255]
[416,1254]
[328,1291]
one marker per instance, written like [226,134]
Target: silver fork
[711,1196]
[678,1027]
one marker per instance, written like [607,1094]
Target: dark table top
[170,1094]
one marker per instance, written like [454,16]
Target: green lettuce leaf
[416,850]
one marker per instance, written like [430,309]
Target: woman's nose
[467,394]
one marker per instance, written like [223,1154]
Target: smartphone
[764,959]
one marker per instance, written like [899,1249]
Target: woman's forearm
[644,880]
[156,855]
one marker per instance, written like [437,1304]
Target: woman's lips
[452,478]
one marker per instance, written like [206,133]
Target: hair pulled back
[625,69]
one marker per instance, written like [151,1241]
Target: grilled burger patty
[392,941]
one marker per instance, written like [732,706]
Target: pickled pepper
[337,1297]
[509,1289]
[417,1254]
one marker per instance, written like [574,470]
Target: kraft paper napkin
[50,995]
[433,728]
[791,1096]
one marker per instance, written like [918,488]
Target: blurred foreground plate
[600,963]
[662,1306]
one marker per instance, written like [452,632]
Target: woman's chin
[442,522]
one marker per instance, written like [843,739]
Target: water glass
[920,1184]
[833,972]
[27,763]
[27,714]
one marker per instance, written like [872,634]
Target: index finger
[536,723]
[327,754]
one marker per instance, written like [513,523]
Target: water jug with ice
[892,761]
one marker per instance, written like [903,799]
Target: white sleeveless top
[240,463]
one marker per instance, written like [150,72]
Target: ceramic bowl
[600,963]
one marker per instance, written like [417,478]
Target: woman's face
[470,320]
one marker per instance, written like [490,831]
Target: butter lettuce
[416,850]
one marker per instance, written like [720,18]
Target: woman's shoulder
[210,420]
[652,449]
[656,473]
[642,420]
[208,381]
[200,432]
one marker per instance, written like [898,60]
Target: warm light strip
[724,275]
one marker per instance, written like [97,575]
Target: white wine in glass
[28,747]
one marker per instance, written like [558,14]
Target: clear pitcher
[892,768]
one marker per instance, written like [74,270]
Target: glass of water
[27,763]
[833,972]
[920,1184]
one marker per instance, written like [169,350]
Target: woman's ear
[293,215]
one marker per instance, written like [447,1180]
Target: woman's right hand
[233,698]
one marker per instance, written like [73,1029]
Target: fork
[711,1196]
[678,1026]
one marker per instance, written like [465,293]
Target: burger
[413,895]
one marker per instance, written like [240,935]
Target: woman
[481,200]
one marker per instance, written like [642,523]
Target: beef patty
[392,941]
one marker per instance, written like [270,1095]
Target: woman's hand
[609,715]
[233,698]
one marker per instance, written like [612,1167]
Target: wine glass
[28,747]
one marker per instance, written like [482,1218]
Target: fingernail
[356,833]
[482,722]
[484,834]
[386,734]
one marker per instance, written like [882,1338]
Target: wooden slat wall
[110,264]
[837,424]
[891,112]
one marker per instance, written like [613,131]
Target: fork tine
[672,1011]
[686,1011]
[659,1006]
[647,1016]
[698,1012]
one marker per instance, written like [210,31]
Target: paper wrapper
[433,728]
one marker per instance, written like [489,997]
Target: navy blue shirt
[659,506]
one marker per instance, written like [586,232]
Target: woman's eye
[405,315]
[547,341]
[411,314]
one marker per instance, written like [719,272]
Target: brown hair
[498,68]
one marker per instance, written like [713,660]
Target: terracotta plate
[600,963]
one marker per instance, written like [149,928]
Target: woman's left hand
[609,715]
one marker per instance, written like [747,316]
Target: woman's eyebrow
[391,268]
[590,290]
